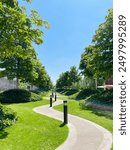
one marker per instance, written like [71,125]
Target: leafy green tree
[68,78]
[18,30]
[19,68]
[42,80]
[97,60]
[26,70]
[63,80]
[74,75]
[85,62]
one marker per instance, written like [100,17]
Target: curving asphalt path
[83,134]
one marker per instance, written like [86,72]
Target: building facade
[6,84]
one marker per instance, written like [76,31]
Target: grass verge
[32,131]
[103,118]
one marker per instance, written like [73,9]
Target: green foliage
[97,60]
[17,67]
[100,117]
[43,93]
[7,117]
[63,80]
[18,96]
[100,100]
[26,70]
[84,83]
[85,62]
[32,131]
[29,1]
[35,97]
[42,80]
[19,31]
[67,91]
[85,93]
[102,97]
[68,78]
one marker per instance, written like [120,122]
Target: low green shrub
[67,91]
[61,90]
[35,97]
[71,92]
[7,117]
[85,93]
[35,91]
[43,94]
[102,99]
[18,96]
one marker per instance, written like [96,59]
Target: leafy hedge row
[85,93]
[99,99]
[18,96]
[103,97]
[7,117]
[80,94]
[66,91]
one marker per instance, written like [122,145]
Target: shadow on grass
[105,114]
[99,112]
[85,93]
[62,125]
[3,134]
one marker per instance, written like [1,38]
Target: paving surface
[83,134]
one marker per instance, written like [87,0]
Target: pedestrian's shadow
[3,134]
[62,125]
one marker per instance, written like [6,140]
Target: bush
[85,93]
[35,91]
[7,117]
[35,97]
[68,92]
[18,96]
[60,90]
[102,98]
[71,92]
[43,94]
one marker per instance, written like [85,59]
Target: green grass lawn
[103,118]
[32,131]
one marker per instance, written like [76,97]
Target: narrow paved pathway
[83,134]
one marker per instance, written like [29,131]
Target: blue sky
[73,23]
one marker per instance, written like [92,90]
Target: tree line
[18,32]
[96,62]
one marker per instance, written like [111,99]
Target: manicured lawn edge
[94,116]
[32,131]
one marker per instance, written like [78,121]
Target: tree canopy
[18,32]
[67,78]
[97,60]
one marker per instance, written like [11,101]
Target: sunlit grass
[32,131]
[100,117]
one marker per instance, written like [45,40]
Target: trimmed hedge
[103,97]
[85,93]
[35,97]
[70,92]
[99,100]
[18,96]
[7,117]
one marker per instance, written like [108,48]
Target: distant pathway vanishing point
[83,134]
